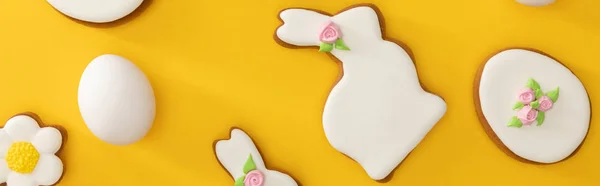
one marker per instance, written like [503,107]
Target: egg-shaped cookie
[532,106]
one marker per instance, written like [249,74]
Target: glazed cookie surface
[240,157]
[535,108]
[96,11]
[378,112]
[28,151]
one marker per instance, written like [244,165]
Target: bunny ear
[361,22]
[301,27]
[238,154]
[358,25]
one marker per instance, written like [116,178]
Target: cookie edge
[488,129]
[63,133]
[384,36]
[214,146]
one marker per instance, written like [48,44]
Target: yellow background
[214,65]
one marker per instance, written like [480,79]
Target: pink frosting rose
[254,178]
[526,95]
[330,33]
[545,103]
[527,115]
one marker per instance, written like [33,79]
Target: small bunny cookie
[378,112]
[240,157]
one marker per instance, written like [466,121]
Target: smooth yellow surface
[214,65]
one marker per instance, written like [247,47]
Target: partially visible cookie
[96,11]
[536,2]
[28,149]
[240,157]
[532,106]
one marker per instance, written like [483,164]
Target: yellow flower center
[22,157]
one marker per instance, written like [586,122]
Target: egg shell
[116,100]
[536,2]
[96,11]
[566,123]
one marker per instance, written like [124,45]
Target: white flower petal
[48,170]
[47,140]
[17,179]
[21,128]
[5,142]
[4,171]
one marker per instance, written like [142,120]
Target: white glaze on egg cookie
[510,78]
[240,157]
[378,112]
[96,11]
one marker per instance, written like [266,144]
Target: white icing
[47,141]
[48,163]
[378,112]
[47,146]
[565,125]
[116,100]
[536,2]
[16,179]
[4,171]
[97,11]
[234,152]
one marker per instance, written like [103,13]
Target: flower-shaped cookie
[29,153]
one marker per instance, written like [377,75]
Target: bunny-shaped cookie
[240,157]
[378,112]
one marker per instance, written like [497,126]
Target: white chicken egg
[535,2]
[116,100]
[96,11]
[511,74]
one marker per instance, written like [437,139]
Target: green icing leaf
[538,93]
[553,95]
[339,44]
[249,166]
[518,105]
[240,181]
[535,104]
[326,47]
[533,84]
[540,118]
[515,122]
